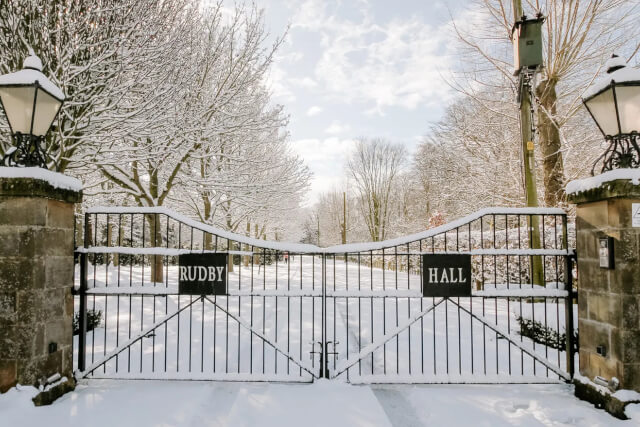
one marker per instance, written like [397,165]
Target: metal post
[569,315]
[324,360]
[82,317]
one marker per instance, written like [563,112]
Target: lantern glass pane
[629,107]
[603,110]
[18,106]
[46,109]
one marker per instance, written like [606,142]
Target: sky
[358,68]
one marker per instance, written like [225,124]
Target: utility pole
[344,218]
[526,78]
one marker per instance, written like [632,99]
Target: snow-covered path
[324,403]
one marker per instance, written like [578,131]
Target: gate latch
[333,345]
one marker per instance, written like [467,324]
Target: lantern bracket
[623,152]
[28,152]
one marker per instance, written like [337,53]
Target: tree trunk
[155,240]
[208,242]
[230,257]
[110,229]
[550,144]
[245,258]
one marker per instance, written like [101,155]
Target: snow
[452,379]
[55,179]
[347,248]
[511,292]
[516,292]
[55,383]
[622,395]
[29,76]
[372,246]
[176,252]
[580,185]
[481,405]
[133,290]
[325,403]
[626,74]
[130,341]
[279,246]
[153,251]
[368,349]
[503,251]
[627,395]
[632,411]
[32,61]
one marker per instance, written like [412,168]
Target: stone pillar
[36,275]
[609,299]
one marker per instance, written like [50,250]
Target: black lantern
[614,104]
[30,102]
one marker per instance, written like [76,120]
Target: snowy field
[123,403]
[272,320]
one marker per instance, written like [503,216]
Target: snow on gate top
[308,248]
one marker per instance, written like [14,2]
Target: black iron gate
[297,312]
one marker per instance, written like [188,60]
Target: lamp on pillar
[31,102]
[614,104]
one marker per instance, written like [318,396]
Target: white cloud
[323,151]
[276,81]
[397,63]
[327,159]
[336,128]
[314,110]
[306,82]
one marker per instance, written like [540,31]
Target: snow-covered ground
[124,403]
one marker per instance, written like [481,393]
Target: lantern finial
[32,62]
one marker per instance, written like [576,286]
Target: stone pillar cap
[38,182]
[612,184]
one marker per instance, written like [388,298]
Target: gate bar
[373,346]
[262,337]
[569,316]
[556,369]
[131,341]
[82,315]
[324,360]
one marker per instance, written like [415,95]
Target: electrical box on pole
[526,35]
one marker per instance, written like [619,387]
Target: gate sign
[202,274]
[446,275]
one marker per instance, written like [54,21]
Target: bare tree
[470,158]
[87,48]
[330,210]
[578,36]
[216,147]
[374,167]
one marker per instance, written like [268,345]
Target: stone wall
[609,300]
[36,276]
